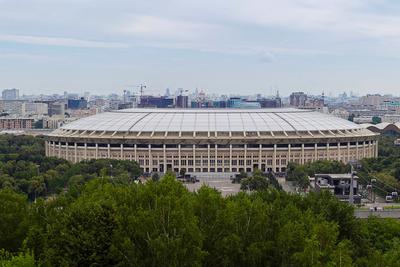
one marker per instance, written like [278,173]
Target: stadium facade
[212,140]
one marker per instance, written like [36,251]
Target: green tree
[376,120]
[255,182]
[13,220]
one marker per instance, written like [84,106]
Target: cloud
[160,27]
[22,56]
[57,41]
[267,57]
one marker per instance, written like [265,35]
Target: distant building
[10,94]
[182,101]
[12,107]
[56,122]
[249,104]
[219,104]
[77,103]
[56,108]
[363,119]
[372,101]
[234,102]
[125,105]
[341,113]
[16,123]
[298,99]
[391,118]
[30,108]
[158,102]
[270,103]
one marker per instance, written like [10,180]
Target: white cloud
[22,56]
[57,41]
[159,27]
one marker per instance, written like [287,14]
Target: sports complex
[212,140]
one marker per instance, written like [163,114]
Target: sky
[220,46]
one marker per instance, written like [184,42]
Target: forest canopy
[55,213]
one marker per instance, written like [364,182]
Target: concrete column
[376,149]
[76,152]
[338,152]
[150,160]
[208,155]
[122,152]
[66,150]
[348,151]
[97,151]
[179,157]
[245,157]
[259,156]
[302,154]
[165,157]
[86,157]
[289,147]
[108,151]
[135,152]
[328,154]
[363,147]
[216,157]
[54,148]
[230,157]
[315,152]
[357,152]
[274,159]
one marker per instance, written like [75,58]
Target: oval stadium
[212,140]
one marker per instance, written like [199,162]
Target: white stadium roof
[211,120]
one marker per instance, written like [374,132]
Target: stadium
[212,140]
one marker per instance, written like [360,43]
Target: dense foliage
[257,181]
[25,169]
[161,223]
[98,217]
[385,169]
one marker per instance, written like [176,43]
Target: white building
[213,140]
[39,109]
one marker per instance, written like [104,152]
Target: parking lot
[224,185]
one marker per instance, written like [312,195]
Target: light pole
[353,173]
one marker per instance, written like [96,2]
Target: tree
[256,182]
[13,220]
[18,260]
[238,177]
[376,120]
[155,177]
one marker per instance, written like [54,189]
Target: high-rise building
[10,94]
[56,108]
[298,99]
[12,107]
[182,101]
[29,108]
[158,102]
[77,103]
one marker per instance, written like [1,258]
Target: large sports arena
[212,140]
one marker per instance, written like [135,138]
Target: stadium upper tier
[231,121]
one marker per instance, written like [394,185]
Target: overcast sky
[222,46]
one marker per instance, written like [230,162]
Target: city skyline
[237,47]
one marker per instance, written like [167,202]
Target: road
[390,213]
